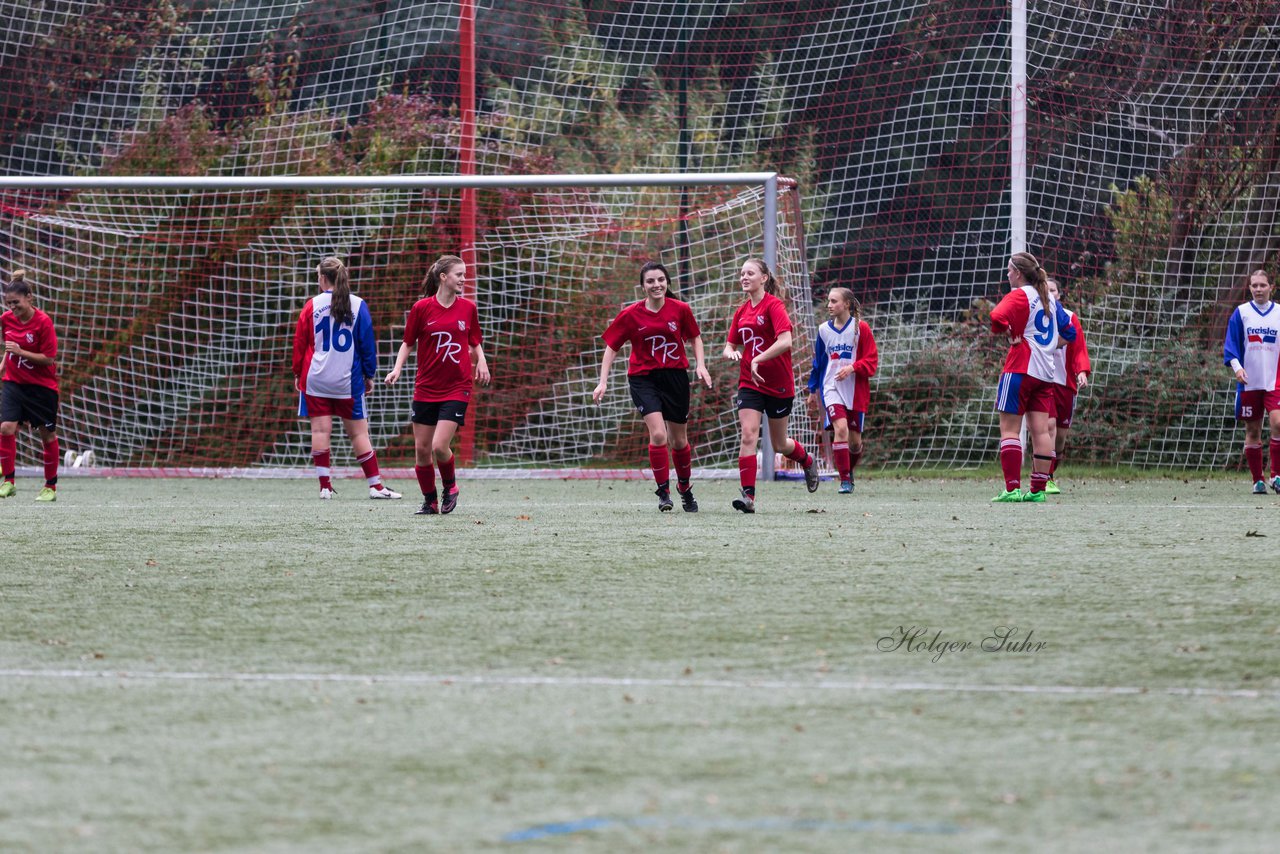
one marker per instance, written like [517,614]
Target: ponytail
[443,264]
[335,273]
[1035,275]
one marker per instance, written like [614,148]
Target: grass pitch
[236,666]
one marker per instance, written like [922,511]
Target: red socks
[842,459]
[369,465]
[1011,463]
[321,460]
[1253,453]
[682,458]
[1275,457]
[8,456]
[426,479]
[799,454]
[446,472]
[51,462]
[658,462]
[747,472]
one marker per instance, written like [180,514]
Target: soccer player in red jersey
[760,341]
[657,328]
[1036,326]
[335,358]
[444,329]
[30,388]
[1071,369]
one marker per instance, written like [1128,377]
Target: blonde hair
[17,284]
[855,307]
[1026,264]
[335,273]
[443,264]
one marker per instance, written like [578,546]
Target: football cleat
[746,504]
[846,487]
[811,479]
[1051,488]
[1033,497]
[381,491]
[7,489]
[450,500]
[1009,496]
[687,502]
[326,493]
[1275,483]
[47,494]
[664,499]
[429,506]
[1260,488]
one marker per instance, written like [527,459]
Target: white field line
[494,681]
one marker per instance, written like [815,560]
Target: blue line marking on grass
[563,828]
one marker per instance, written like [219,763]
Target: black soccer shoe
[747,503]
[811,479]
[450,500]
[429,507]
[664,499]
[688,502]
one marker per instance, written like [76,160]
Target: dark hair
[654,265]
[17,284]
[1026,264]
[335,273]
[855,307]
[443,264]
[771,285]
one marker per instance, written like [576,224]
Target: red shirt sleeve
[690,328]
[779,318]
[475,337]
[618,332]
[867,357]
[1011,313]
[49,339]
[304,338]
[412,323]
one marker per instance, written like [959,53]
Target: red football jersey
[34,336]
[443,337]
[657,338]
[755,328]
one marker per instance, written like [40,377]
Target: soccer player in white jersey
[844,361]
[334,361]
[1071,369]
[1035,325]
[1252,351]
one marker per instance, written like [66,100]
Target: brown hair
[443,264]
[1248,281]
[654,265]
[335,273]
[1026,264]
[855,307]
[771,284]
[17,284]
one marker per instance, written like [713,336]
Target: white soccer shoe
[326,494]
[381,491]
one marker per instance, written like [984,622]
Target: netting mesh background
[1152,157]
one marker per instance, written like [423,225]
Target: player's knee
[441,453]
[658,438]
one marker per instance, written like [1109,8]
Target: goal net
[176,309]
[1152,159]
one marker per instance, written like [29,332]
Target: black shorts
[37,405]
[443,410]
[774,407]
[664,390]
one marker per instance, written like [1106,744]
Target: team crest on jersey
[31,337]
[462,324]
[759,320]
[671,324]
